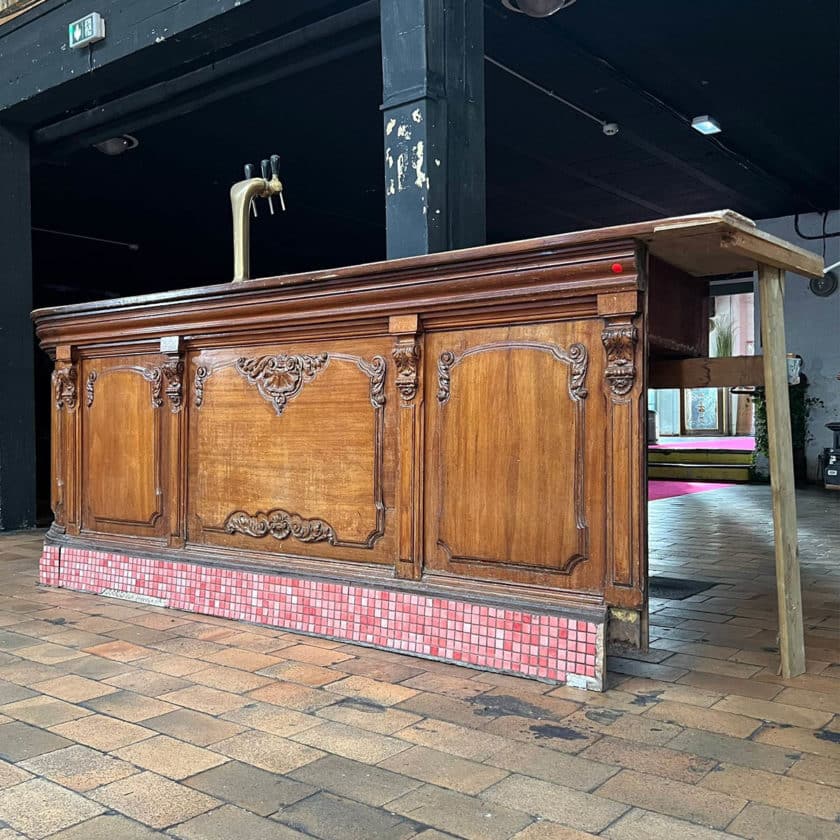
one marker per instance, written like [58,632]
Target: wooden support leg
[791,635]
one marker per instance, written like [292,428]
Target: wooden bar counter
[443,455]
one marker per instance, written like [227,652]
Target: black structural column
[17,376]
[433,84]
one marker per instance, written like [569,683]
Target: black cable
[822,236]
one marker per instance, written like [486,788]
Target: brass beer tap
[242,200]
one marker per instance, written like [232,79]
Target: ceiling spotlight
[117,145]
[537,8]
[706,125]
[610,129]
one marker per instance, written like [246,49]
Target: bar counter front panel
[451,455]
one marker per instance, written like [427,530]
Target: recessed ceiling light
[706,125]
[117,145]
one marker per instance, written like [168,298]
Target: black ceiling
[768,72]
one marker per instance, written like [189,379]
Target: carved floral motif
[91,379]
[445,362]
[406,357]
[620,344]
[280,378]
[173,374]
[66,392]
[281,525]
[375,369]
[201,374]
[579,360]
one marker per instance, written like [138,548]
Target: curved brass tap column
[242,195]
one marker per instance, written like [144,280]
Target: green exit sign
[86,30]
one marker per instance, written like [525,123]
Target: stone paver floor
[125,722]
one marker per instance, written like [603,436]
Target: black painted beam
[17,351]
[433,110]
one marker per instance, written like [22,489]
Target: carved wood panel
[287,450]
[511,468]
[128,473]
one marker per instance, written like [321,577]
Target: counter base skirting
[545,645]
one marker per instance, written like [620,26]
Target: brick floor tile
[351,742]
[779,791]
[646,758]
[250,787]
[464,816]
[43,711]
[145,682]
[647,692]
[73,689]
[231,822]
[267,751]
[120,651]
[694,717]
[161,621]
[334,818]
[733,750]
[378,692]
[189,648]
[256,642]
[552,766]
[244,660]
[154,800]
[107,827]
[775,711]
[9,640]
[48,654]
[205,699]
[274,719]
[172,664]
[368,715]
[169,757]
[446,771]
[315,655]
[544,830]
[76,638]
[809,699]
[645,825]
[760,822]
[20,740]
[438,706]
[102,732]
[79,768]
[570,807]
[666,673]
[817,768]
[354,780]
[641,728]
[458,687]
[383,671]
[800,740]
[96,668]
[301,698]
[25,672]
[193,727]
[39,808]
[456,740]
[11,693]
[730,685]
[303,673]
[12,775]
[688,802]
[129,706]
[229,679]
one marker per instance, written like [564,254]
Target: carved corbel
[620,345]
[173,375]
[406,359]
[65,382]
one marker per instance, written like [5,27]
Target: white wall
[812,325]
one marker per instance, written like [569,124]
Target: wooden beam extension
[788,587]
[727,372]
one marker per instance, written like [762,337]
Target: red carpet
[669,489]
[742,443]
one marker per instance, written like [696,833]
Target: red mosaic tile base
[547,646]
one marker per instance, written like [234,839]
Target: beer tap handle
[266,173]
[275,172]
[250,172]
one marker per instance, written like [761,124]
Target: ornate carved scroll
[375,369]
[620,345]
[406,357]
[173,375]
[445,362]
[65,380]
[91,379]
[280,378]
[201,374]
[281,525]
